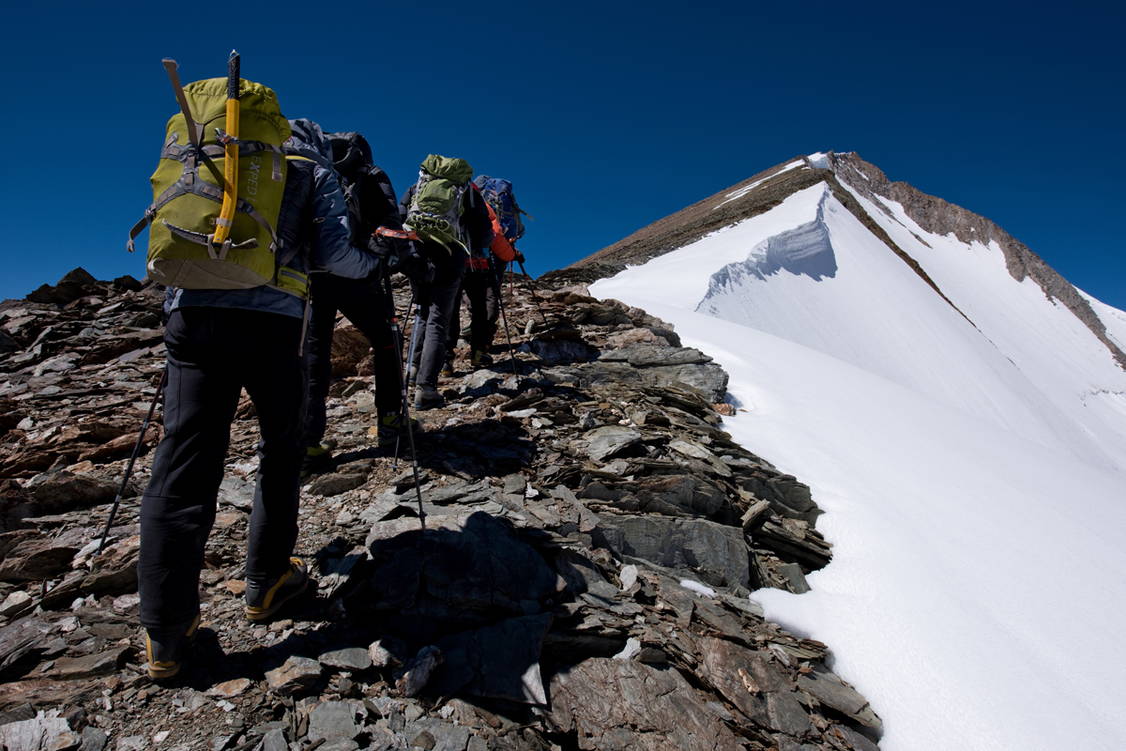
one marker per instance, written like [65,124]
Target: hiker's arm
[332,239]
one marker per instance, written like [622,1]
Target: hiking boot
[167,650]
[262,602]
[317,460]
[448,369]
[427,397]
[392,427]
[481,358]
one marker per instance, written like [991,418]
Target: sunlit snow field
[972,475]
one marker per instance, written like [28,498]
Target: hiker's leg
[273,378]
[454,327]
[447,282]
[476,284]
[178,507]
[318,351]
[495,279]
[365,304]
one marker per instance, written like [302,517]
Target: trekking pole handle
[234,72]
[396,233]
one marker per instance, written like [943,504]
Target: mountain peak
[852,181]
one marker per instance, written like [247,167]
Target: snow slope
[971,470]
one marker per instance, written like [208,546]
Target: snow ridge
[970,455]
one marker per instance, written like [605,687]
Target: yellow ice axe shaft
[230,154]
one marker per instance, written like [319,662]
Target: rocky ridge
[584,580]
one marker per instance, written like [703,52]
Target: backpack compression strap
[189,183]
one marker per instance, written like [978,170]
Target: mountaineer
[485,269]
[366,302]
[451,220]
[235,306]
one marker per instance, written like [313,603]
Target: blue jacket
[313,233]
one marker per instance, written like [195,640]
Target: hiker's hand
[413,265]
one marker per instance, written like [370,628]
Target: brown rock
[349,348]
[36,559]
[298,674]
[90,666]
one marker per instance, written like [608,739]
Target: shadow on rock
[487,448]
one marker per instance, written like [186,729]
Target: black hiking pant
[213,353]
[482,288]
[435,304]
[363,302]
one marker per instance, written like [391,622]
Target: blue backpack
[498,194]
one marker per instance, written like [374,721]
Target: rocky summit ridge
[585,580]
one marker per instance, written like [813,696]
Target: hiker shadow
[485,448]
[468,586]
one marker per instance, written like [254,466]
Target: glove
[412,265]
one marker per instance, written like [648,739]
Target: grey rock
[481,382]
[37,733]
[336,483]
[787,714]
[275,741]
[352,658]
[236,492]
[716,553]
[648,355]
[334,720]
[93,739]
[606,442]
[437,735]
[831,691]
[651,710]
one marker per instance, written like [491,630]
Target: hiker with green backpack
[235,305]
[451,220]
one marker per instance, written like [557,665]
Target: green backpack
[187,194]
[436,206]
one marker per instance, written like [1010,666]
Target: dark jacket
[312,230]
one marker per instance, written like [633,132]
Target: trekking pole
[133,460]
[409,370]
[532,290]
[403,389]
[507,335]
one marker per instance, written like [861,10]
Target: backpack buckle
[218,253]
[225,138]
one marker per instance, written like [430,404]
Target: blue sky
[607,116]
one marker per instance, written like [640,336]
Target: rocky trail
[584,581]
